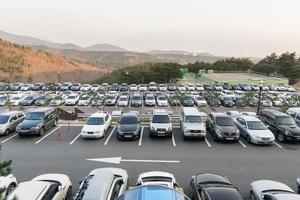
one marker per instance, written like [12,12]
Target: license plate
[229,138]
[161,132]
[128,136]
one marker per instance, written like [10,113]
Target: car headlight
[152,128]
[257,136]
[219,131]
[170,128]
[286,132]
[185,129]
[238,131]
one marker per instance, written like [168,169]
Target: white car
[133,87]
[199,87]
[181,88]
[162,87]
[16,99]
[150,100]
[157,178]
[96,125]
[190,87]
[160,124]
[85,87]
[8,183]
[72,99]
[239,94]
[111,100]
[142,88]
[3,100]
[200,101]
[26,87]
[162,101]
[84,100]
[254,130]
[278,102]
[46,186]
[228,94]
[291,89]
[95,87]
[123,101]
[152,86]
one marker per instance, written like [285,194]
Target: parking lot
[62,150]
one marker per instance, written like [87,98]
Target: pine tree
[5,170]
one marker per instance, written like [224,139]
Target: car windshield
[16,98]
[136,98]
[41,98]
[34,116]
[71,97]
[150,98]
[224,121]
[3,119]
[200,98]
[123,99]
[188,98]
[129,120]
[285,120]
[95,121]
[3,98]
[193,119]
[29,98]
[57,98]
[162,98]
[256,125]
[161,119]
[84,98]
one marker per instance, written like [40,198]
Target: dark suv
[282,125]
[38,121]
[222,127]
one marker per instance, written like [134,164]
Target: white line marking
[77,136]
[278,145]
[242,144]
[47,135]
[110,134]
[173,140]
[141,136]
[117,160]
[11,137]
[208,144]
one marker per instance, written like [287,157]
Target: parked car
[43,100]
[37,86]
[181,87]
[209,186]
[84,100]
[162,101]
[124,87]
[96,125]
[172,87]
[282,125]
[152,86]
[149,100]
[190,87]
[9,121]
[160,124]
[3,100]
[46,186]
[26,87]
[57,101]
[15,86]
[254,130]
[29,100]
[114,87]
[157,178]
[227,102]
[76,87]
[271,190]
[103,184]
[162,87]
[188,101]
[65,86]
[142,88]
[191,123]
[222,127]
[38,121]
[72,99]
[295,114]
[95,87]
[16,99]
[8,183]
[111,100]
[199,87]
[97,100]
[129,126]
[136,100]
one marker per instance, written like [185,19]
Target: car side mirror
[59,188]
[138,184]
[175,185]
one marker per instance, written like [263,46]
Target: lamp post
[259,97]
[58,77]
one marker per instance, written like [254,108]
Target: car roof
[8,113]
[249,118]
[129,115]
[219,114]
[160,112]
[29,190]
[276,113]
[208,177]
[157,174]
[43,109]
[190,111]
[224,193]
[263,185]
[98,114]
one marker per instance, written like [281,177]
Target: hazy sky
[220,27]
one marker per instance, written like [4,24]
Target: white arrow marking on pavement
[117,160]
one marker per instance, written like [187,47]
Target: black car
[38,121]
[208,87]
[114,87]
[281,124]
[208,186]
[129,126]
[227,102]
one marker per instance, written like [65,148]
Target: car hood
[291,128]
[264,185]
[194,126]
[30,123]
[261,133]
[128,128]
[161,125]
[228,129]
[92,128]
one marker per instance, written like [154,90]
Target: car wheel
[252,197]
[280,137]
[69,194]
[7,132]
[10,188]
[249,140]
[42,131]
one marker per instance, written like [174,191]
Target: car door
[117,189]
[242,126]
[13,122]
[297,119]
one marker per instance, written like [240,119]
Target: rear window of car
[161,119]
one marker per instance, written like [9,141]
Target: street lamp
[259,96]
[58,77]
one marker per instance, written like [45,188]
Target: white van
[191,123]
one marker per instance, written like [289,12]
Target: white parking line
[7,139]
[278,145]
[242,144]
[141,136]
[110,134]
[208,144]
[47,135]
[77,136]
[173,140]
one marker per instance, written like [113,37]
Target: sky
[241,28]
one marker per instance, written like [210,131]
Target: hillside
[20,63]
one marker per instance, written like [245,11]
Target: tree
[5,170]
[11,64]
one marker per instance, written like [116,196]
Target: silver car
[271,190]
[9,121]
[254,130]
